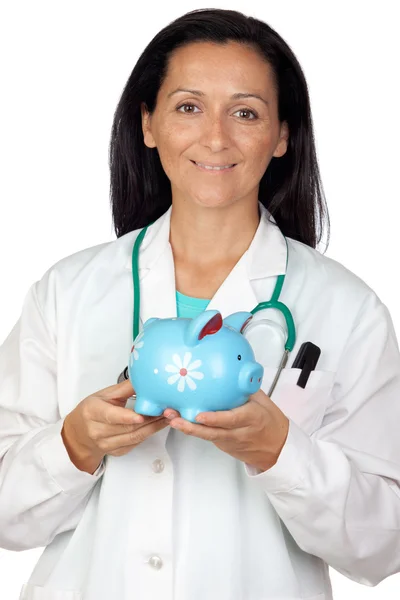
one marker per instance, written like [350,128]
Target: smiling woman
[231,133]
[217,203]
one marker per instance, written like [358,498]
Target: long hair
[291,187]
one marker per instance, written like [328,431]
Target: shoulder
[101,263]
[116,251]
[310,262]
[329,280]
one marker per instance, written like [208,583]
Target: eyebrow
[236,96]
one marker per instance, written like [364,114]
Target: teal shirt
[189,307]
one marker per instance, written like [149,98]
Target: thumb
[118,393]
[266,402]
[262,398]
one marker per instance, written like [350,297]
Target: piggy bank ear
[206,323]
[147,323]
[238,320]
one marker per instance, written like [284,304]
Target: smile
[214,169]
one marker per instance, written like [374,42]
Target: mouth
[210,169]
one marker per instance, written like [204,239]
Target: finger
[114,415]
[212,434]
[235,418]
[262,398]
[102,430]
[116,401]
[133,438]
[170,413]
[119,391]
[145,420]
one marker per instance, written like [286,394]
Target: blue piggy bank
[193,365]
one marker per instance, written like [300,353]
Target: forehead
[232,64]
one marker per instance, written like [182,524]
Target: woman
[212,148]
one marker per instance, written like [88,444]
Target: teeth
[214,168]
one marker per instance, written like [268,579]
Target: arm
[42,493]
[338,490]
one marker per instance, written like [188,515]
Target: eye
[185,111]
[242,110]
[239,357]
[251,112]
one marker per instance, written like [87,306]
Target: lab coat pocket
[305,406]
[37,592]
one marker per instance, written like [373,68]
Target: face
[210,126]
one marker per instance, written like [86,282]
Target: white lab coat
[176,518]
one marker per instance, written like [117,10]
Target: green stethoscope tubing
[136,285]
[272,303]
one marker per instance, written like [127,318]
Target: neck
[202,236]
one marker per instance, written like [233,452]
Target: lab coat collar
[265,257]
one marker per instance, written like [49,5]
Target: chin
[213,202]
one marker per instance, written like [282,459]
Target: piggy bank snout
[250,377]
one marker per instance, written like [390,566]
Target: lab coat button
[158,466]
[155,562]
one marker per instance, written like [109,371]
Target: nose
[215,134]
[256,377]
[251,377]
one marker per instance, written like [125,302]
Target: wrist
[271,455]
[83,458]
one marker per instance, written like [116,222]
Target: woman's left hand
[254,433]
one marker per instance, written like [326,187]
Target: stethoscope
[273,303]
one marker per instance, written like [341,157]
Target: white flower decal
[138,343]
[183,371]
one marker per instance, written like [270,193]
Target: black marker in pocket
[306,360]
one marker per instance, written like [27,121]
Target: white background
[63,68]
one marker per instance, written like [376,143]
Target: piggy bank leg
[147,407]
[190,414]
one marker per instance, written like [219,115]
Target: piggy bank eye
[239,357]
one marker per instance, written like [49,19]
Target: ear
[282,145]
[206,323]
[238,320]
[146,127]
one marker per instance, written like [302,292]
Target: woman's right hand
[100,424]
